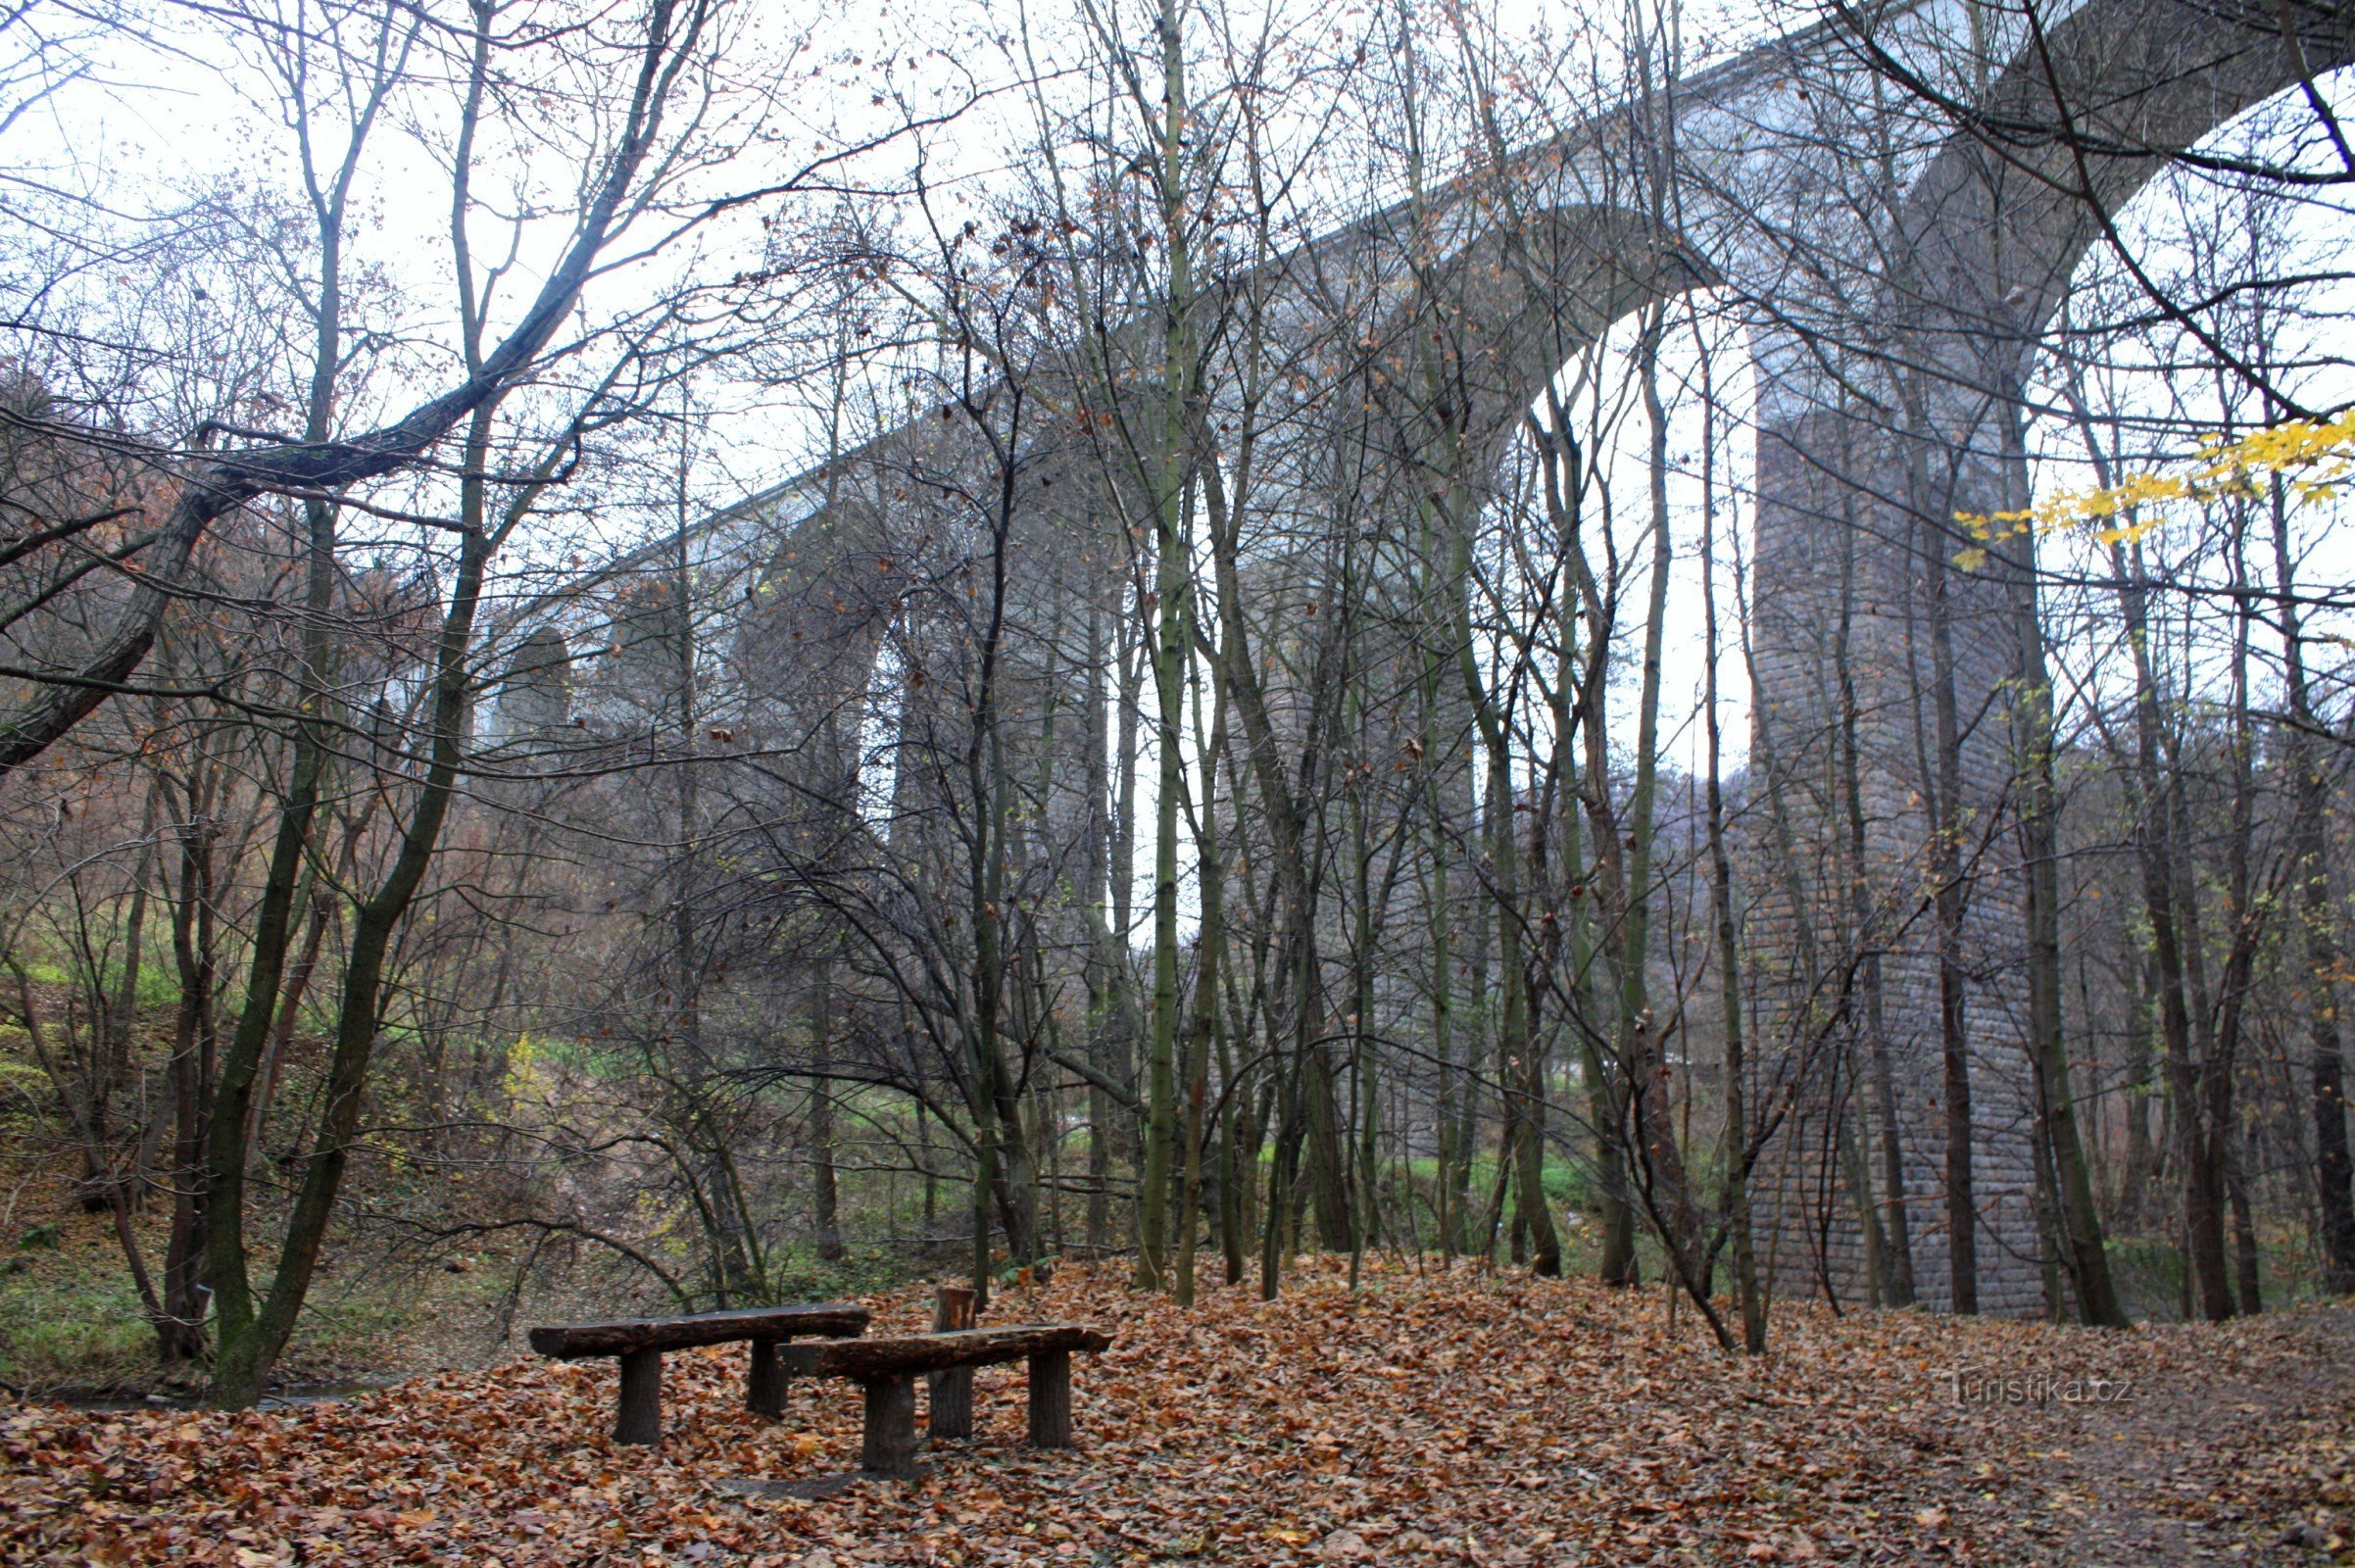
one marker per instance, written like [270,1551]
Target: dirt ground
[2206,1444]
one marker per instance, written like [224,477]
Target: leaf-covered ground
[1428,1417]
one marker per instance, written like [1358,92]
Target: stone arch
[1523,299]
[1859,484]
[2077,123]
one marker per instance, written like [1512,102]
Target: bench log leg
[1051,1399]
[765,1386]
[952,1403]
[951,1399]
[891,1445]
[640,1416]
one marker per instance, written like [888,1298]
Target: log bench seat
[639,1344]
[887,1368]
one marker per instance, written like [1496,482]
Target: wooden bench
[887,1368]
[639,1343]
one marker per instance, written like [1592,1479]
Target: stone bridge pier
[1897,201]
[1890,402]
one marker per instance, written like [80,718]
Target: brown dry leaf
[1433,1416]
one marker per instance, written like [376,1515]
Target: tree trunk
[1204,1039]
[1949,903]
[825,1197]
[194,1066]
[2317,919]
[1102,964]
[251,1337]
[1735,1153]
[1894,1222]
[2076,1221]
[1659,1157]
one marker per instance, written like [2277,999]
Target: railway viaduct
[1894,199]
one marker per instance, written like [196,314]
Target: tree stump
[951,1408]
[765,1384]
[639,1418]
[891,1445]
[1051,1399]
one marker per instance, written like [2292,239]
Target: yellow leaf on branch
[2312,457]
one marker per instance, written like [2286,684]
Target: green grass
[599,1060]
[49,961]
[798,1274]
[1565,1184]
[70,1318]
[2149,1272]
[73,1326]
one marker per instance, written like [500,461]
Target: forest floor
[1428,1417]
